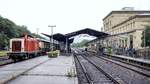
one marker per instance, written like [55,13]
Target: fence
[141,53]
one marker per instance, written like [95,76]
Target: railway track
[126,61]
[130,74]
[93,73]
[139,69]
[88,78]
[124,73]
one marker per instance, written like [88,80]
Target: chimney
[128,8]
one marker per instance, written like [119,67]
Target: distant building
[126,26]
[128,8]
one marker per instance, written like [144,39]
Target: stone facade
[126,27]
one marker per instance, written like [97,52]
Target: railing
[133,53]
[141,53]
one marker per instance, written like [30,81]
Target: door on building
[131,41]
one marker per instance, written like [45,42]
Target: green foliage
[8,30]
[71,72]
[3,40]
[109,50]
[52,54]
[7,27]
[147,37]
[3,53]
[20,30]
[80,44]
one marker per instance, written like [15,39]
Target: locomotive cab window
[16,46]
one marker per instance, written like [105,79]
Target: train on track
[27,47]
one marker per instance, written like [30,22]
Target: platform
[40,70]
[140,60]
[11,71]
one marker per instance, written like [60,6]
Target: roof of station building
[147,15]
[127,11]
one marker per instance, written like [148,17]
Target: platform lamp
[51,36]
[37,31]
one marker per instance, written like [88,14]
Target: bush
[52,54]
[109,50]
[3,53]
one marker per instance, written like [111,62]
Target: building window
[133,24]
[123,29]
[134,37]
[130,26]
[126,27]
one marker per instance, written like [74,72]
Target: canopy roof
[87,31]
[71,40]
[62,37]
[58,36]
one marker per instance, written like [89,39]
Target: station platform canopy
[58,36]
[88,31]
[67,39]
[91,32]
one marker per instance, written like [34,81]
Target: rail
[145,73]
[141,63]
[90,81]
[107,75]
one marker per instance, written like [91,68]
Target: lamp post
[144,43]
[37,31]
[144,40]
[51,35]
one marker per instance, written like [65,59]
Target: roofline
[59,40]
[132,11]
[53,34]
[131,18]
[72,33]
[115,35]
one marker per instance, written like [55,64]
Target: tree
[3,40]
[7,27]
[146,33]
[84,42]
[20,30]
[8,30]
[80,44]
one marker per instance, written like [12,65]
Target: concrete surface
[11,71]
[54,71]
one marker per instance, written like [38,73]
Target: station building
[125,27]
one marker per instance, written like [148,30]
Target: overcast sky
[67,15]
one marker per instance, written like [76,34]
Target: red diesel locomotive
[25,47]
